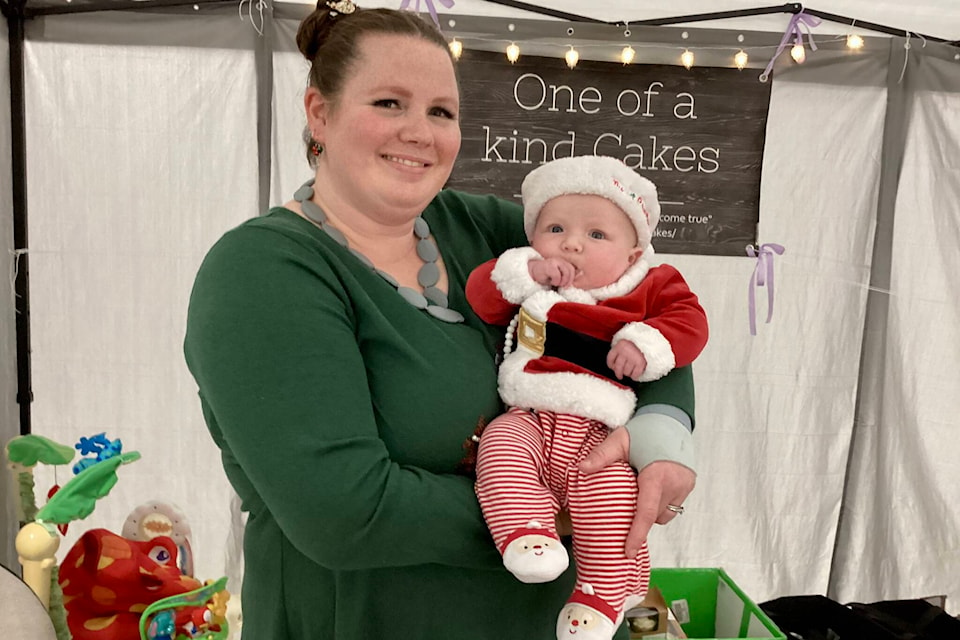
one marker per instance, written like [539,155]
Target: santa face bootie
[587,617]
[533,554]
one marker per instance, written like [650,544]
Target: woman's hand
[658,484]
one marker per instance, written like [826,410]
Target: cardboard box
[652,619]
[649,618]
[709,605]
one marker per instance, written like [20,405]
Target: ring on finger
[677,509]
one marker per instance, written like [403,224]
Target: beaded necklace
[432,300]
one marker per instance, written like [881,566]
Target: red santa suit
[563,402]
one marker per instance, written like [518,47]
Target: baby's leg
[602,507]
[519,510]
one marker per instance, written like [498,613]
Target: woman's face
[391,137]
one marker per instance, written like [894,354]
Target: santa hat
[586,597]
[593,175]
[533,528]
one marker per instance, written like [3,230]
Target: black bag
[820,618]
[911,619]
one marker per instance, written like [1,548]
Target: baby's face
[590,232]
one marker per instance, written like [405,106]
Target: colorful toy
[102,448]
[38,540]
[110,582]
[23,454]
[155,518]
[113,588]
[158,621]
[162,627]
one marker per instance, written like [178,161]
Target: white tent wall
[142,138]
[902,526]
[9,410]
[775,411]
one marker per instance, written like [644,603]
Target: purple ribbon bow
[432,9]
[762,276]
[795,32]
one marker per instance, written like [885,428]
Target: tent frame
[18,11]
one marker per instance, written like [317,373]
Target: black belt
[580,349]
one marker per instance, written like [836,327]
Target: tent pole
[263,57]
[15,24]
[873,26]
[545,11]
[790,7]
[115,5]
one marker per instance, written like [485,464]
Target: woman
[340,367]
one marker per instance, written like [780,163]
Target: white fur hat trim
[593,175]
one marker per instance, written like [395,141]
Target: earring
[315,148]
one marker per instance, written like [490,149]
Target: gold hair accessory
[341,6]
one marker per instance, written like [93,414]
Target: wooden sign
[697,134]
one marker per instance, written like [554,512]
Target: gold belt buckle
[531,333]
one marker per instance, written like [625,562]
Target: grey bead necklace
[432,300]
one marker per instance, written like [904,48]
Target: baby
[587,315]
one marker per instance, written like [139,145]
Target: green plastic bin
[717,609]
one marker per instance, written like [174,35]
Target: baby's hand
[553,272]
[625,359]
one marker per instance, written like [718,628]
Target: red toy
[108,581]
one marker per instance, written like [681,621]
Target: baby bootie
[534,554]
[587,617]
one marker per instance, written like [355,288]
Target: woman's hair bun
[314,30]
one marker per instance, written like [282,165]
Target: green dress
[341,412]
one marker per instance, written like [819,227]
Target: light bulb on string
[572,57]
[456,49]
[798,53]
[740,59]
[854,41]
[513,52]
[686,58]
[627,54]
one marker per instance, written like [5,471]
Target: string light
[854,41]
[798,53]
[741,59]
[628,54]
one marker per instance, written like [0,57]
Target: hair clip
[341,6]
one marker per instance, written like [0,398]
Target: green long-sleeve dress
[341,411]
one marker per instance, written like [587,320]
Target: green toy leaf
[30,449]
[78,497]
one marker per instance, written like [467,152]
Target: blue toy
[100,446]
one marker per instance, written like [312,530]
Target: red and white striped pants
[527,469]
